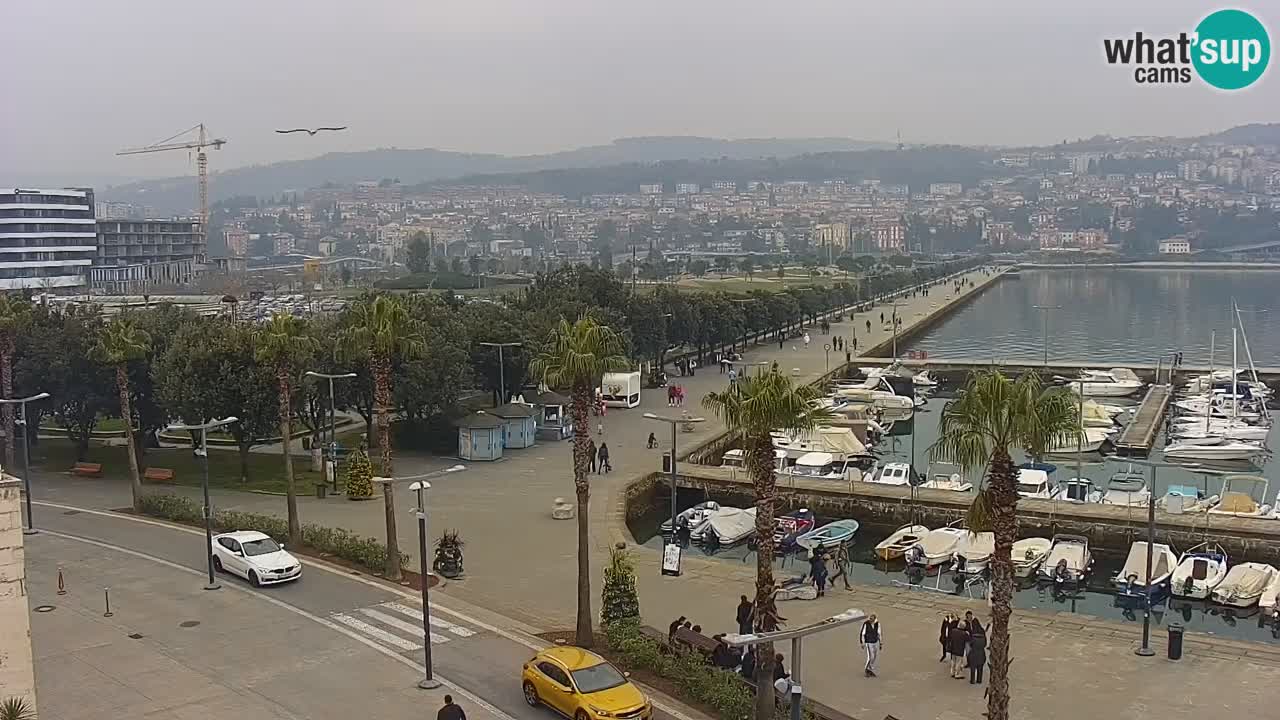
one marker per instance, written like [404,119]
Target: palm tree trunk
[582,397]
[760,463]
[1003,491]
[382,407]
[286,439]
[126,415]
[6,386]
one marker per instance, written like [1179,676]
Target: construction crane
[201,142]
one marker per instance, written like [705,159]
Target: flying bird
[310,131]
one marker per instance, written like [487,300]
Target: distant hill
[177,194]
[1252,134]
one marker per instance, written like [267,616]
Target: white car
[255,557]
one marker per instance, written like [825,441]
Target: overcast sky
[83,78]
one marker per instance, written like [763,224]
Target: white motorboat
[818,466]
[936,547]
[1270,599]
[1132,580]
[1028,555]
[730,525]
[1092,439]
[1238,431]
[839,441]
[894,474]
[924,379]
[899,541]
[1034,483]
[1069,559]
[1248,502]
[1244,584]
[840,532]
[1080,490]
[693,517]
[1199,571]
[1223,449]
[954,482]
[735,458]
[973,552]
[1094,415]
[1185,499]
[1116,382]
[1127,488]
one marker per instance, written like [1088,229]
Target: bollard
[106,597]
[62,586]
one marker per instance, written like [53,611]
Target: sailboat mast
[1080,437]
[1248,354]
[1235,401]
[1213,339]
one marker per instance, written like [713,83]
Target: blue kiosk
[480,437]
[520,424]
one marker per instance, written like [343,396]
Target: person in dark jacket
[603,454]
[748,668]
[451,710]
[591,453]
[975,627]
[948,621]
[744,617]
[957,642]
[977,656]
[779,671]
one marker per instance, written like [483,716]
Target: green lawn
[266,471]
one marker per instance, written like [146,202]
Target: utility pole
[502,370]
[30,529]
[1044,309]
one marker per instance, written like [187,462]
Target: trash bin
[321,490]
[1175,641]
[666,462]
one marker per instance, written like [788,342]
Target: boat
[1080,490]
[839,441]
[899,541]
[1033,483]
[1068,561]
[1201,569]
[1242,503]
[936,547]
[1269,602]
[1116,382]
[1127,488]
[894,474]
[1132,580]
[1095,415]
[974,552]
[818,466]
[735,458]
[1028,554]
[791,526]
[1185,499]
[730,525]
[1222,449]
[693,517]
[1091,440]
[1237,431]
[829,535]
[947,481]
[924,379]
[1244,584]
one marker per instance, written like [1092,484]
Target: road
[329,610]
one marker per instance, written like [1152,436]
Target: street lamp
[428,682]
[203,453]
[673,421]
[1044,310]
[333,421]
[826,350]
[30,529]
[1145,650]
[502,370]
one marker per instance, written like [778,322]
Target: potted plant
[16,708]
[448,560]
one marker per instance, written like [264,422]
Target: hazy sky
[84,78]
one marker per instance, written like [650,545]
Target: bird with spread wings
[310,131]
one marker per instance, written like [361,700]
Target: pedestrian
[842,563]
[881,317]
[591,450]
[855,343]
[600,427]
[680,396]
[774,369]
[733,378]
[848,356]
[671,396]
[779,670]
[820,570]
[451,710]
[977,657]
[947,621]
[872,642]
[779,339]
[603,452]
[743,616]
[975,627]
[653,441]
[673,627]
[957,644]
[748,667]
[869,323]
[806,340]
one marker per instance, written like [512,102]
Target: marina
[1140,433]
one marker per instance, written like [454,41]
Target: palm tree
[121,342]
[381,330]
[575,358]
[762,403]
[992,415]
[13,315]
[285,345]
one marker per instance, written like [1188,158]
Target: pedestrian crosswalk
[399,626]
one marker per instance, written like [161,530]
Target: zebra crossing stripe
[397,623]
[435,621]
[376,633]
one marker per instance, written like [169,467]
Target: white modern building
[48,238]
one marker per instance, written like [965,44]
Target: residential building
[282,244]
[946,189]
[889,236]
[1175,246]
[1091,238]
[998,234]
[654,189]
[133,242]
[237,242]
[833,235]
[48,237]
[687,188]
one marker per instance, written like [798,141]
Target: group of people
[675,396]
[686,366]
[838,343]
[964,644]
[599,457]
[820,572]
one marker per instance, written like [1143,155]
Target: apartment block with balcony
[135,255]
[48,238]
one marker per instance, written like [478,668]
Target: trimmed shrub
[359,475]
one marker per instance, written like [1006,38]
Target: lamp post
[1044,310]
[1145,650]
[203,453]
[502,370]
[826,351]
[333,421]
[673,421]
[30,529]
[894,321]
[428,682]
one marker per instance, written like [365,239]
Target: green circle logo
[1231,49]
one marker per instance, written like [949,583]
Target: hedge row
[365,552]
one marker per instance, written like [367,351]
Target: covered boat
[1091,439]
[839,441]
[894,474]
[1185,499]
[1201,569]
[818,466]
[1034,483]
[974,552]
[1068,561]
[1132,580]
[693,517]
[1242,496]
[731,525]
[946,477]
[736,459]
[936,547]
[829,535]
[1028,554]
[1244,585]
[899,541]
[1128,488]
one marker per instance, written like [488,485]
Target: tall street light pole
[428,682]
[1145,650]
[30,529]
[673,422]
[333,421]
[207,511]
[502,369]
[1044,310]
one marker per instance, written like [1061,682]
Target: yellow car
[581,685]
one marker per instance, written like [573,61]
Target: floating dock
[1140,434]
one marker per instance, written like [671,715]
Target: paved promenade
[520,563]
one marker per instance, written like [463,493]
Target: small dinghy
[974,552]
[1068,560]
[693,517]
[1132,581]
[1244,585]
[899,541]
[1201,569]
[829,535]
[1028,554]
[936,547]
[731,525]
[791,526]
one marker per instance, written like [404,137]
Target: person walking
[842,563]
[977,656]
[820,570]
[591,450]
[948,620]
[957,642]
[745,611]
[451,710]
[872,642]
[869,323]
[733,378]
[806,340]
[603,454]
[653,441]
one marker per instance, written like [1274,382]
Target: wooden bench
[158,475]
[84,469]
